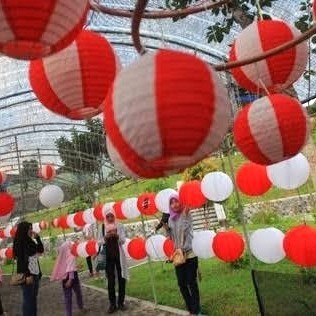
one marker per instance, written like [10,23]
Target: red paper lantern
[92,247]
[34,29]
[157,131]
[136,248]
[79,219]
[47,172]
[73,249]
[146,204]
[190,194]
[274,73]
[252,179]
[3,177]
[9,253]
[98,212]
[271,129]
[299,244]
[228,246]
[7,203]
[13,231]
[169,247]
[62,222]
[75,82]
[117,207]
[2,235]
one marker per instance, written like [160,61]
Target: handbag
[101,259]
[17,278]
[178,257]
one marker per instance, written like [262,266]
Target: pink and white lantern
[48,172]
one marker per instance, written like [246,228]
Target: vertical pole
[20,174]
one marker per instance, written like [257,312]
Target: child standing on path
[65,270]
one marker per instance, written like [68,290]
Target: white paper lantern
[162,199]
[124,246]
[129,208]
[51,196]
[267,245]
[217,186]
[88,216]
[36,228]
[107,207]
[2,253]
[70,220]
[289,174]
[202,244]
[7,230]
[81,250]
[154,247]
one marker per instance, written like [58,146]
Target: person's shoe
[112,309]
[122,307]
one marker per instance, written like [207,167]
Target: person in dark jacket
[26,251]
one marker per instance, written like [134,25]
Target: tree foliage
[29,171]
[198,171]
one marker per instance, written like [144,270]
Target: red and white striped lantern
[74,82]
[3,177]
[181,116]
[34,29]
[47,172]
[271,129]
[274,73]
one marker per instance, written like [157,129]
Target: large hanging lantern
[181,117]
[202,244]
[155,247]
[34,29]
[3,177]
[129,208]
[162,199]
[79,219]
[228,246]
[267,245]
[271,129]
[51,196]
[136,249]
[47,172]
[252,179]
[7,203]
[274,73]
[190,194]
[289,174]
[75,82]
[146,204]
[299,245]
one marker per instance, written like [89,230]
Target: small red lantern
[3,177]
[252,179]
[34,29]
[98,212]
[271,129]
[274,73]
[62,222]
[74,82]
[73,249]
[7,203]
[47,172]
[146,204]
[117,207]
[79,219]
[190,194]
[136,248]
[228,246]
[299,244]
[92,247]
[2,235]
[169,247]
[9,253]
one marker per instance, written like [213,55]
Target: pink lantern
[274,73]
[47,172]
[158,131]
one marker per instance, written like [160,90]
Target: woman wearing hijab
[116,263]
[26,252]
[181,232]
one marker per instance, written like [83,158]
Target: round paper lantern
[3,177]
[74,249]
[217,186]
[117,207]
[71,220]
[79,220]
[98,213]
[146,204]
[299,245]
[81,249]
[7,231]
[62,222]
[252,179]
[162,199]
[129,208]
[202,244]
[169,247]
[155,247]
[228,246]
[125,248]
[47,172]
[7,203]
[271,129]
[9,253]
[108,207]
[75,81]
[266,245]
[136,249]
[36,228]
[88,216]
[92,247]
[43,225]
[289,174]
[147,129]
[2,236]
[34,29]
[51,196]
[190,194]
[273,73]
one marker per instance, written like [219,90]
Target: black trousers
[187,281]
[113,264]
[1,307]
[89,263]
